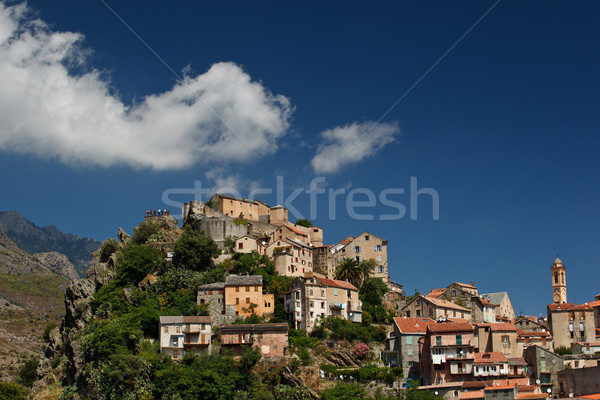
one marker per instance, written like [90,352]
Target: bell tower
[559,283]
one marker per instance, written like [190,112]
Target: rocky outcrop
[123,236]
[339,358]
[77,303]
[58,263]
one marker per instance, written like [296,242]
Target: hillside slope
[31,296]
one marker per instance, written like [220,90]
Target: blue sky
[94,127]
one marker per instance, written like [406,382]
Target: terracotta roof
[465,285]
[293,230]
[445,304]
[254,327]
[529,333]
[336,283]
[526,388]
[593,344]
[500,326]
[459,320]
[502,387]
[594,396]
[449,327]
[532,396]
[569,307]
[347,240]
[488,383]
[490,358]
[413,325]
[487,303]
[594,303]
[436,292]
[475,384]
[472,394]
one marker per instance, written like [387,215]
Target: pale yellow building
[364,247]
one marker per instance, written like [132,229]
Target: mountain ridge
[35,239]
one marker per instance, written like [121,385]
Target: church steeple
[559,283]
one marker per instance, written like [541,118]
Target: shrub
[361,350]
[109,246]
[135,262]
[28,372]
[12,391]
[47,330]
[194,250]
[562,350]
[143,231]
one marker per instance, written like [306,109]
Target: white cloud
[49,112]
[351,143]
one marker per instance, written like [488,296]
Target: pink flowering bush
[361,350]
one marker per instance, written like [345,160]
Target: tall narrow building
[559,284]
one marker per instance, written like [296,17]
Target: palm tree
[349,270]
[367,267]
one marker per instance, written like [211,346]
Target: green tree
[194,250]
[563,350]
[367,267]
[349,270]
[28,372]
[344,391]
[109,246]
[12,391]
[135,262]
[373,290]
[229,243]
[304,222]
[143,231]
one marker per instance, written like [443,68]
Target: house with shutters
[270,339]
[312,298]
[179,335]
[291,257]
[448,353]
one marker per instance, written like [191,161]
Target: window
[571,315]
[237,288]
[408,314]
[581,327]
[409,340]
[409,351]
[247,300]
[581,315]
[335,292]
[322,304]
[379,258]
[166,330]
[418,313]
[381,269]
[367,237]
[256,288]
[377,247]
[357,249]
[240,245]
[247,288]
[505,339]
[438,340]
[177,329]
[237,300]
[458,339]
[312,304]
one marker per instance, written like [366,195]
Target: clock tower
[559,285]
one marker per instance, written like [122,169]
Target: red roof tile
[594,396]
[490,358]
[295,230]
[529,334]
[521,396]
[413,325]
[445,304]
[569,307]
[436,292]
[441,327]
[465,285]
[500,326]
[336,283]
[503,387]
[472,394]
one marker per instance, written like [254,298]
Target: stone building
[526,339]
[579,382]
[271,339]
[248,244]
[252,210]
[291,257]
[529,324]
[490,365]
[570,323]
[448,353]
[504,309]
[180,335]
[434,308]
[408,334]
[238,296]
[312,298]
[324,263]
[364,247]
[498,338]
[544,365]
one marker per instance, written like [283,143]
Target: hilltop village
[318,316]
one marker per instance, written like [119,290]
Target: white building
[180,335]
